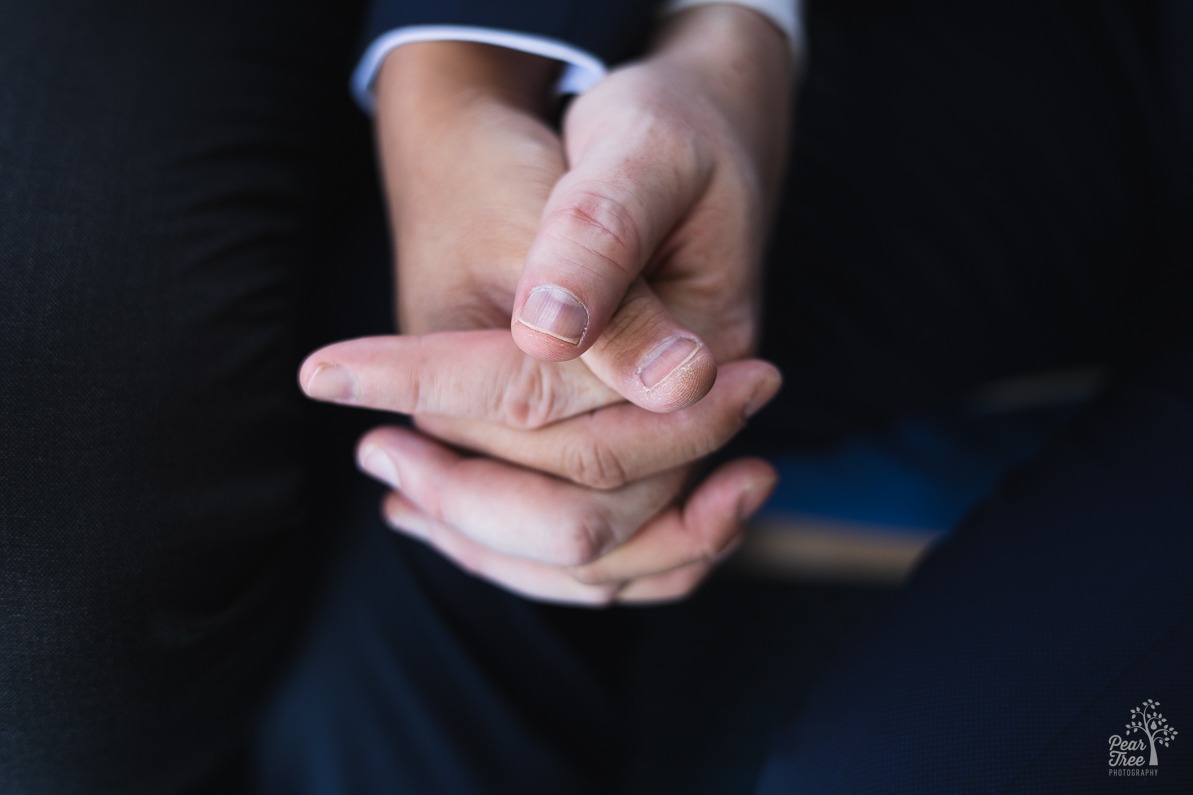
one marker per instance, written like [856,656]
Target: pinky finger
[700,530]
[538,581]
[670,586]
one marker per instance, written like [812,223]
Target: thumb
[650,359]
[602,225]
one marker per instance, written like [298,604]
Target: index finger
[468,374]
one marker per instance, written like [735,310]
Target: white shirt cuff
[785,14]
[582,70]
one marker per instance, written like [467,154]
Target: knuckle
[601,225]
[529,400]
[582,540]
[592,463]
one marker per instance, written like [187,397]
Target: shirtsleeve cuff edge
[582,69]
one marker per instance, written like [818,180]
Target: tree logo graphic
[1149,721]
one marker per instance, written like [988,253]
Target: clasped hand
[578,310]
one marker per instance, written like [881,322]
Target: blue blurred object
[920,473]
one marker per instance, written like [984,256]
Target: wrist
[713,72]
[736,52]
[421,80]
[743,65]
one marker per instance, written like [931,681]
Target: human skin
[650,211]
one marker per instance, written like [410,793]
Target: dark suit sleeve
[612,30]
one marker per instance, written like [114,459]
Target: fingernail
[376,462]
[334,383]
[763,393]
[754,497]
[555,311]
[667,358]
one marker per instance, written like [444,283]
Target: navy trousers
[977,191]
[982,191]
